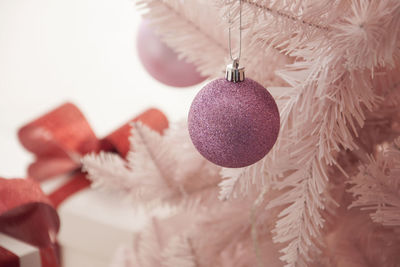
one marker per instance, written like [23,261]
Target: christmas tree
[328,193]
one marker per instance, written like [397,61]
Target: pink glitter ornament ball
[233,124]
[162,63]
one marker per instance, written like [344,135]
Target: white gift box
[94,224]
[29,256]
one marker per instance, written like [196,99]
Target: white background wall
[83,51]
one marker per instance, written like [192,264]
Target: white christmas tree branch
[179,252]
[283,14]
[150,173]
[300,222]
[314,129]
[319,123]
[284,26]
[140,177]
[108,170]
[376,187]
[150,143]
[192,28]
[238,181]
[366,32]
[150,244]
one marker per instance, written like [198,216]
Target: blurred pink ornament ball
[162,62]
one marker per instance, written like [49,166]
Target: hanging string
[236,59]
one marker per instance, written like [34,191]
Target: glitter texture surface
[233,124]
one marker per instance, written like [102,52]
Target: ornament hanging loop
[240,34]
[234,73]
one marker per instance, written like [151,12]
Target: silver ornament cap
[234,73]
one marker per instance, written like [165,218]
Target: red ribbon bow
[58,140]
[61,137]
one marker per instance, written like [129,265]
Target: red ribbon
[61,137]
[27,214]
[7,258]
